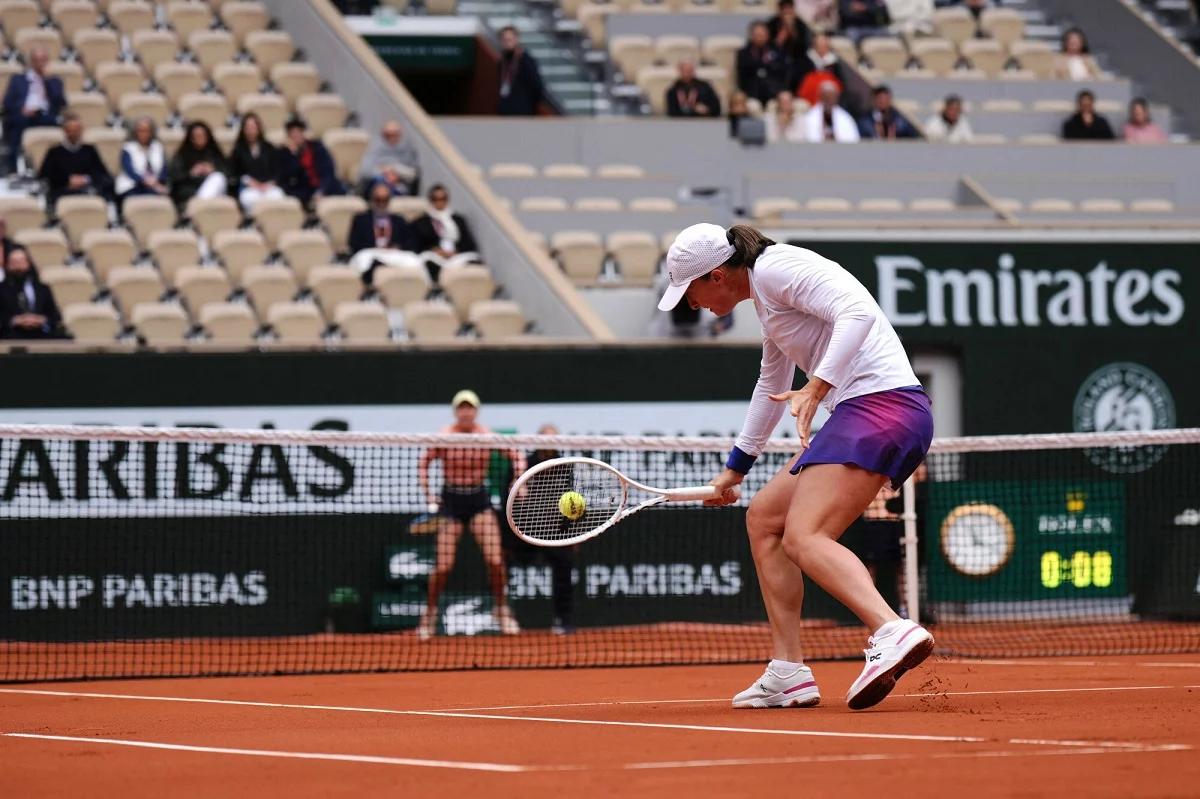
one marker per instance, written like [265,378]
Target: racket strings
[536,512]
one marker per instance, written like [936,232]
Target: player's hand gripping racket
[567,500]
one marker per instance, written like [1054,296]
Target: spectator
[1086,123]
[1139,129]
[883,121]
[442,236]
[762,69]
[950,125]
[828,121]
[819,64]
[143,162]
[254,165]
[691,97]
[819,15]
[7,246]
[788,32]
[307,172]
[739,109]
[33,99]
[392,160]
[74,167]
[861,18]
[379,236]
[27,307]
[784,124]
[1075,61]
[198,168]
[520,79]
[465,502]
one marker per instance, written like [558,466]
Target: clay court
[1113,726]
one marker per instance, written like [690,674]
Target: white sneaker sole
[880,685]
[801,696]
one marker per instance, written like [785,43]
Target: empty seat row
[941,57]
[639,204]
[772,208]
[582,254]
[1101,205]
[508,169]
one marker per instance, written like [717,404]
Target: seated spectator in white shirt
[950,125]
[691,97]
[33,99]
[379,236]
[1139,128]
[443,237]
[784,124]
[828,121]
[143,163]
[1075,61]
[392,160]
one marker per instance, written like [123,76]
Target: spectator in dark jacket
[788,33]
[1086,123]
[861,18]
[143,163]
[199,169]
[818,65]
[307,171]
[74,167]
[443,236]
[763,70]
[32,99]
[520,79]
[27,306]
[254,165]
[691,97]
[883,121]
[7,245]
[379,236]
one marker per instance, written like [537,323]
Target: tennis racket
[533,504]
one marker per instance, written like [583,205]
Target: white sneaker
[427,626]
[901,648]
[508,622]
[771,690]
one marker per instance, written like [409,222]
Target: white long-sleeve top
[817,316]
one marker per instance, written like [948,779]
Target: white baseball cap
[696,251]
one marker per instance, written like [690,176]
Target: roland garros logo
[1124,396]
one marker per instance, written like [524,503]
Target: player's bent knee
[797,547]
[761,521]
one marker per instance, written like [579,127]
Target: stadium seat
[73,15]
[542,204]
[160,323]
[722,50]
[601,204]
[145,104]
[212,47]
[497,320]
[955,24]
[92,322]
[154,47]
[236,79]
[46,246]
[116,78]
[931,205]
[441,7]
[321,112]
[296,322]
[244,16]
[269,48]
[35,142]
[95,46]
[305,249]
[46,38]
[878,205]
[207,107]
[512,170]
[1102,205]
[399,285]
[131,16]
[465,285]
[333,285]
[79,214]
[1054,106]
[637,255]
[274,216]
[1051,205]
[69,284]
[655,205]
[176,79]
[200,286]
[187,16]
[1005,25]
[336,214]
[90,107]
[631,52]
[672,48]
[771,208]
[827,204]
[654,82]
[71,74]
[173,249]
[146,214]
[240,250]
[225,137]
[1002,104]
[21,212]
[107,249]
[271,108]
[936,55]
[580,253]
[228,323]
[621,171]
[294,80]
[269,285]
[17,15]
[134,285]
[1038,138]
[408,207]
[886,54]
[1009,205]
[430,321]
[347,146]
[569,171]
[1036,56]
[214,214]
[1152,206]
[985,55]
[362,321]
[592,16]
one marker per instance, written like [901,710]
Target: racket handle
[692,494]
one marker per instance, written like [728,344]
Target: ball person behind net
[817,316]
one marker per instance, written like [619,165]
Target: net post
[911,576]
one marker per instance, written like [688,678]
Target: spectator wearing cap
[393,160]
[784,124]
[27,306]
[763,69]
[1139,128]
[949,125]
[74,166]
[1075,61]
[379,236]
[521,89]
[32,99]
[307,170]
[828,121]
[691,97]
[442,236]
[818,65]
[883,121]
[1085,123]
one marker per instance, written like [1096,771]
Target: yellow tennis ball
[572,505]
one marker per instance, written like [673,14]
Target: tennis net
[130,552]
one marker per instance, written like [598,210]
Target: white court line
[1171,665]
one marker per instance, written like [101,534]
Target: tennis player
[817,316]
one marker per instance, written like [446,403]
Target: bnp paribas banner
[1048,336]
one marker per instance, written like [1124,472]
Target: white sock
[886,630]
[784,668]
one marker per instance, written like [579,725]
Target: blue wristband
[739,461]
